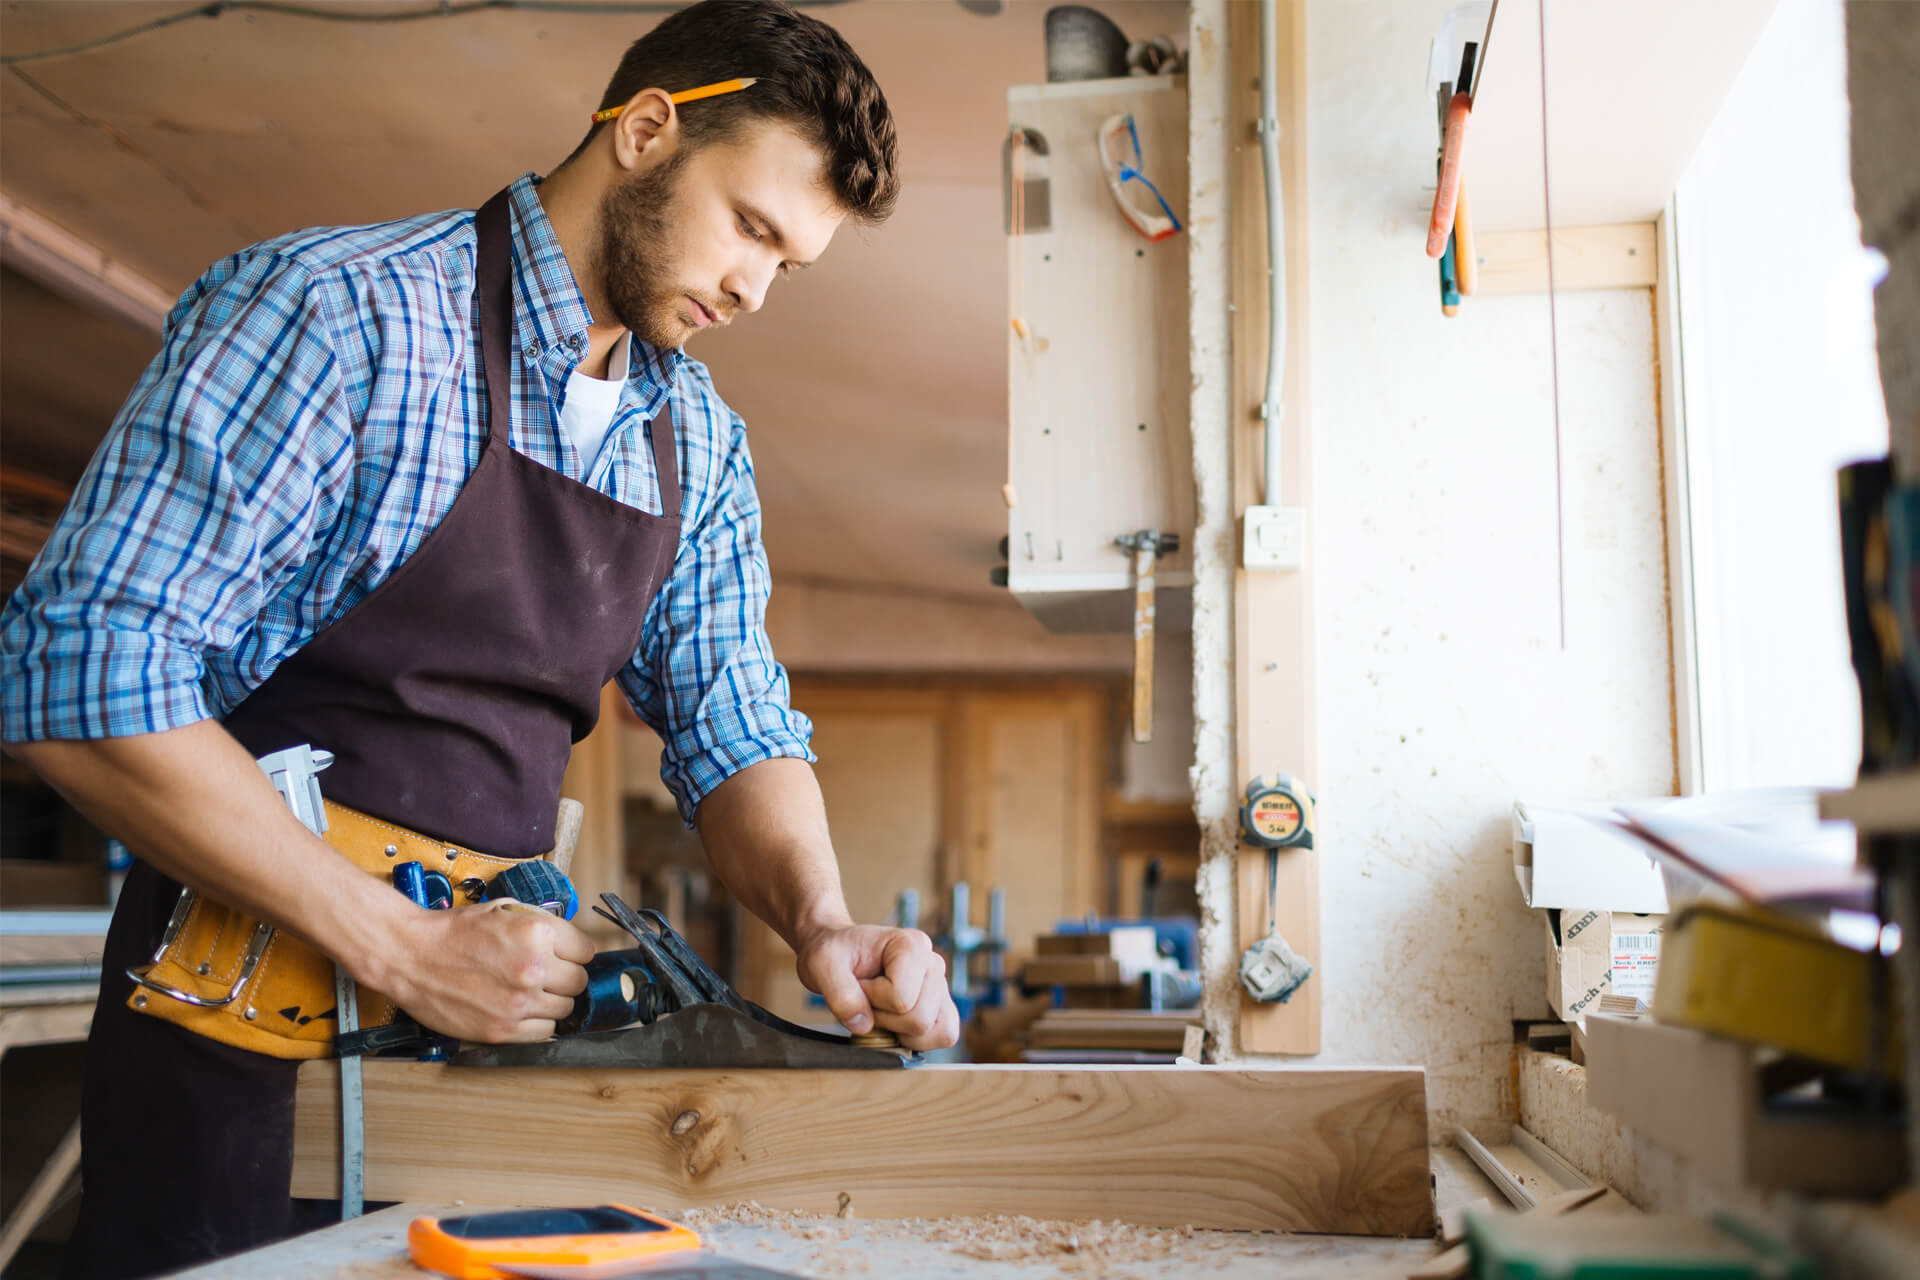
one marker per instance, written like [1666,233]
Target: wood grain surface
[1296,1150]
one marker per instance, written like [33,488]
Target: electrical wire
[1273,407]
[441,9]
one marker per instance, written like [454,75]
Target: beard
[636,266]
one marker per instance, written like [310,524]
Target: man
[412,493]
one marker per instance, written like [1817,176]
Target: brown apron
[450,698]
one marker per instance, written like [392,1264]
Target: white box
[1573,858]
[1595,953]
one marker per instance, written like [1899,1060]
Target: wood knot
[683,1123]
[608,1091]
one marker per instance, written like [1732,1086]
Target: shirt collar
[553,315]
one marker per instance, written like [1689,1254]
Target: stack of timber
[1109,1035]
[1095,970]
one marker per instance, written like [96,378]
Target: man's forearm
[765,830]
[193,803]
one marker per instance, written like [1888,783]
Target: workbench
[996,1248]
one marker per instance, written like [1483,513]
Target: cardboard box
[1701,1097]
[1595,953]
[1573,858]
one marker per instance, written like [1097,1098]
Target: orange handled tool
[1448,193]
[520,1242]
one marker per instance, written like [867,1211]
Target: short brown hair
[809,78]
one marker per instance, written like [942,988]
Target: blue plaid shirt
[315,408]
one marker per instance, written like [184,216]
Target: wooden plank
[32,883]
[1273,612]
[1072,971]
[41,1195]
[1073,944]
[1886,804]
[1104,1031]
[1617,257]
[1310,1150]
[62,1023]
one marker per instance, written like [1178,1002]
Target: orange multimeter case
[489,1246]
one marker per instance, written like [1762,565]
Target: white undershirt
[587,413]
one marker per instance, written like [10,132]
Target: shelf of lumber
[1291,1150]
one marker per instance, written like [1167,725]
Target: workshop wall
[1443,688]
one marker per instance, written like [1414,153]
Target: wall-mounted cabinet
[1098,441]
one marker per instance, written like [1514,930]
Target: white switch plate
[1274,538]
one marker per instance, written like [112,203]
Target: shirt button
[533,351]
[576,342]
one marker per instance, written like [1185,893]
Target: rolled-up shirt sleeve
[207,492]
[704,676]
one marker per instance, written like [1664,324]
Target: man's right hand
[192,802]
[497,973]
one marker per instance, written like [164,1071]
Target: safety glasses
[1120,157]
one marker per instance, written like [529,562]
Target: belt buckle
[256,947]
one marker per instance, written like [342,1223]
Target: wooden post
[1273,612]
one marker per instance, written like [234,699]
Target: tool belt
[234,979]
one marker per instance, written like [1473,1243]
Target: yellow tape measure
[1278,813]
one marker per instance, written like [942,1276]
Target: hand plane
[658,1004]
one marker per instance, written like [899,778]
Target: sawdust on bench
[1089,1248]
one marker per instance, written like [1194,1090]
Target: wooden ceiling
[874,387]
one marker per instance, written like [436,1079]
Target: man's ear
[647,131]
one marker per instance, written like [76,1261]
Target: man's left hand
[871,974]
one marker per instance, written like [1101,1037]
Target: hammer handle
[566,834]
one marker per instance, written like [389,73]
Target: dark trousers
[186,1143]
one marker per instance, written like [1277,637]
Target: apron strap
[666,463]
[494,288]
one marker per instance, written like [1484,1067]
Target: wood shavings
[1076,1249]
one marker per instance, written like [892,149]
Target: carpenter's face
[692,242]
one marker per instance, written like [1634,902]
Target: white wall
[1442,685]
[1781,388]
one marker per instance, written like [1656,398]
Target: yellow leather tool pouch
[230,978]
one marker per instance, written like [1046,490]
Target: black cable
[442,9]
